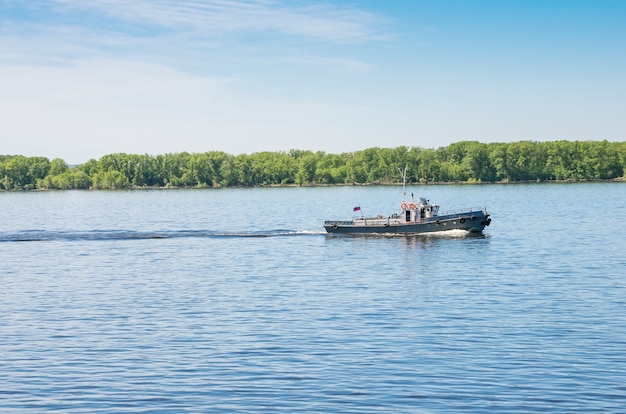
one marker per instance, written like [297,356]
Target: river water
[235,300]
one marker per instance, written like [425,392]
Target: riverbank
[467,162]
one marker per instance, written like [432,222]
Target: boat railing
[461,211]
[337,223]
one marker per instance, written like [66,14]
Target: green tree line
[466,161]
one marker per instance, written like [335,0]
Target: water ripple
[528,318]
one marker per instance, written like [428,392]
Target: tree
[58,166]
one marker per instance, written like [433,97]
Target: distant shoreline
[465,162]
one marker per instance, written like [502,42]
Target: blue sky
[81,79]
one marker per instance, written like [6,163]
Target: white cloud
[342,64]
[208,17]
[188,33]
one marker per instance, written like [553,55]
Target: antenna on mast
[403,181]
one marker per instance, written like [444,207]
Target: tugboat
[414,218]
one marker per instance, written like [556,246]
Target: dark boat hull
[473,222]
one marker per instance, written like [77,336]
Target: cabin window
[408,215]
[422,214]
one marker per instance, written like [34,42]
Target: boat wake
[95,235]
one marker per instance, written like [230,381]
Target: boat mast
[403,173]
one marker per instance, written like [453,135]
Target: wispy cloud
[309,19]
[345,65]
[59,31]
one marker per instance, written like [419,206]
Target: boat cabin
[415,212]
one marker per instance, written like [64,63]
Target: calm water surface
[235,300]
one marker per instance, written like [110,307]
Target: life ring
[335,226]
[404,206]
[462,220]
